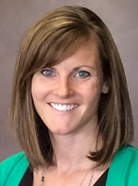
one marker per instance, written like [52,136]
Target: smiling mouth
[63,107]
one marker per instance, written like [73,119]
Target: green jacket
[123,170]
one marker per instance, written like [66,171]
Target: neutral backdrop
[121,16]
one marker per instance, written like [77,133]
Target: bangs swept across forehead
[56,36]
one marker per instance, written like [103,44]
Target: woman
[70,107]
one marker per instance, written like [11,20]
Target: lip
[63,107]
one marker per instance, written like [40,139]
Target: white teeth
[63,107]
[68,107]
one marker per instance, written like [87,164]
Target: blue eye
[83,74]
[47,73]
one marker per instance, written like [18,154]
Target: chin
[62,130]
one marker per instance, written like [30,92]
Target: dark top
[27,179]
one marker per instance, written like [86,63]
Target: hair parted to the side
[54,37]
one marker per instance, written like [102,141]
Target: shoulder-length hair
[54,37]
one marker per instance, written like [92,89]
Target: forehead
[87,47]
[86,52]
[50,53]
[86,55]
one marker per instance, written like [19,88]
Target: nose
[64,88]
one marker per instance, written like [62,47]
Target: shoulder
[124,167]
[14,162]
[16,158]
[127,159]
[127,151]
[13,167]
[127,154]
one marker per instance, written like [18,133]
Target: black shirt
[27,179]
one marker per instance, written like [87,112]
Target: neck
[71,151]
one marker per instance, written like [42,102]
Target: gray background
[121,16]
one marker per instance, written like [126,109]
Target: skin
[77,80]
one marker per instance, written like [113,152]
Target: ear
[105,88]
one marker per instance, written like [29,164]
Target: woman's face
[66,96]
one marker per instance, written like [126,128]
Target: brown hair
[51,39]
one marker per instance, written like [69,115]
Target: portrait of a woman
[70,107]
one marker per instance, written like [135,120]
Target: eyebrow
[77,68]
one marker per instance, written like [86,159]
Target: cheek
[37,90]
[34,90]
[92,92]
[38,97]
